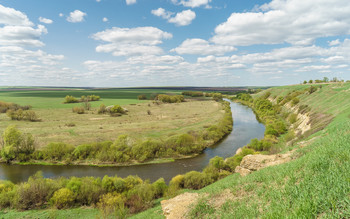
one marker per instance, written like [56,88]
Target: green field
[59,124]
[43,98]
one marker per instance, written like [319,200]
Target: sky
[133,43]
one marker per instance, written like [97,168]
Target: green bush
[70,99]
[7,194]
[170,98]
[217,162]
[160,188]
[193,93]
[217,96]
[78,109]
[34,193]
[82,152]
[140,197]
[87,190]
[17,145]
[108,184]
[177,181]
[112,205]
[132,181]
[20,114]
[117,109]
[57,151]
[146,150]
[196,180]
[62,198]
[312,89]
[102,109]
[295,101]
[119,184]
[12,136]
[89,98]
[142,97]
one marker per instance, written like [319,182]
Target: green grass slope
[316,184]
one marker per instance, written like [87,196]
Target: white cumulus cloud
[130,2]
[161,12]
[105,19]
[45,20]
[334,42]
[76,16]
[192,3]
[183,18]
[18,30]
[202,47]
[298,22]
[131,41]
[10,16]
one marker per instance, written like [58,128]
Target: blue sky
[123,43]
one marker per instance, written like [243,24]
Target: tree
[325,79]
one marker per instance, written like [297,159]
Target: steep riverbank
[314,184]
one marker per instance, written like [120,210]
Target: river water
[245,128]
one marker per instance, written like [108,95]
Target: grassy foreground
[316,184]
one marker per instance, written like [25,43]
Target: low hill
[314,184]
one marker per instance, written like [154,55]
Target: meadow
[144,119]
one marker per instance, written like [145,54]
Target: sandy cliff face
[258,161]
[303,120]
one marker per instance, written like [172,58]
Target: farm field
[59,124]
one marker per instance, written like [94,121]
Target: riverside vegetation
[313,185]
[113,195]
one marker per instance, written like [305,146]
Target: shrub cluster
[71,99]
[28,115]
[142,97]
[78,109]
[16,144]
[4,107]
[113,110]
[216,96]
[290,97]
[193,93]
[114,196]
[89,98]
[17,112]
[269,115]
[170,98]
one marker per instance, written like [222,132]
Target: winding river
[245,128]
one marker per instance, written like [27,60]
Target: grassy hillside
[315,184]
